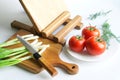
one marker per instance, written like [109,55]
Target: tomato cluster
[90,40]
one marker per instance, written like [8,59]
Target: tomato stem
[99,39]
[78,37]
[91,28]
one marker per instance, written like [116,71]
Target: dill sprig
[94,16]
[107,33]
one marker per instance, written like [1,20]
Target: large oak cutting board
[51,54]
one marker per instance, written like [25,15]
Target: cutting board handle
[69,67]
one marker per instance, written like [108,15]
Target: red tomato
[95,45]
[90,31]
[77,43]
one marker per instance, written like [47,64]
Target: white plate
[85,57]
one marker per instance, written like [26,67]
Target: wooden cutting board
[43,12]
[51,54]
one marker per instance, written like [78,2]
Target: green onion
[15,53]
[14,56]
[10,51]
[2,50]
[16,41]
[8,43]
[15,59]
[10,62]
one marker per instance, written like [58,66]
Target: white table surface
[108,69]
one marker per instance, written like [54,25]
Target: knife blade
[51,70]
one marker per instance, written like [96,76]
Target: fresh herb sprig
[107,34]
[94,16]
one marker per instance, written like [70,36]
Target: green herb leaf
[94,16]
[107,33]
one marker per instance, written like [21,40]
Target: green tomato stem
[79,37]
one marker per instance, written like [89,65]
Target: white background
[109,69]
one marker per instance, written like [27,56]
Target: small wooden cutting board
[51,54]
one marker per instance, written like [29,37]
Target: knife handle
[51,70]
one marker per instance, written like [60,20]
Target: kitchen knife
[52,71]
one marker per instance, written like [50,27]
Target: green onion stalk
[12,61]
[14,56]
[9,43]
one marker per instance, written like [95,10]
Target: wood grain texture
[59,37]
[51,54]
[43,12]
[55,24]
[49,67]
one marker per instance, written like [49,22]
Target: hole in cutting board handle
[69,67]
[73,67]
